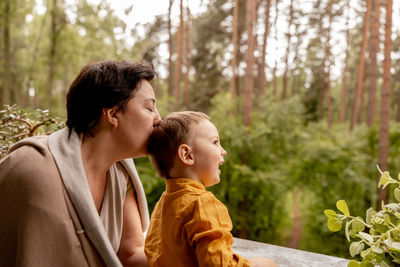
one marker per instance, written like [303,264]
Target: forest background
[305,94]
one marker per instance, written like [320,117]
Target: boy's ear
[185,154]
[110,114]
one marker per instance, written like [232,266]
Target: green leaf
[366,264]
[369,215]
[346,231]
[342,206]
[329,213]
[366,236]
[353,263]
[365,252]
[353,234]
[385,178]
[358,226]
[393,206]
[397,194]
[376,249]
[396,245]
[356,248]
[386,218]
[334,224]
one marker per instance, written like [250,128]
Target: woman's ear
[110,114]
[185,154]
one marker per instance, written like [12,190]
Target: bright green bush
[376,240]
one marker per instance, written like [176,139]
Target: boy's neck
[180,170]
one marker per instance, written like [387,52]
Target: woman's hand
[131,250]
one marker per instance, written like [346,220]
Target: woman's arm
[131,250]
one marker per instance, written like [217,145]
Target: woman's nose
[157,118]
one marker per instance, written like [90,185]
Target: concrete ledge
[285,257]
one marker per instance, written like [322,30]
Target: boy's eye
[151,109]
[215,142]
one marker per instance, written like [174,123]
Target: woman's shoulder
[30,146]
[29,163]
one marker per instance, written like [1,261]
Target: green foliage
[16,124]
[153,185]
[380,245]
[254,180]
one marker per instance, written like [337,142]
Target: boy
[189,226]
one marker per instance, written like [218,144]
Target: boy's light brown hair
[172,131]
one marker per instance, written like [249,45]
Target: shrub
[380,245]
[16,124]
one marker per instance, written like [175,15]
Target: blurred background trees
[305,95]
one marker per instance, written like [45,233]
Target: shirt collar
[176,184]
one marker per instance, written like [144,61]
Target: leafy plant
[376,240]
[16,124]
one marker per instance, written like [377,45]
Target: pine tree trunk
[232,87]
[373,68]
[289,36]
[249,77]
[6,88]
[327,72]
[295,59]
[171,51]
[385,101]
[178,65]
[274,79]
[361,67]
[343,95]
[187,59]
[52,52]
[261,79]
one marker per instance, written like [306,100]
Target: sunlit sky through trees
[137,13]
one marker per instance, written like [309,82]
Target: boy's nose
[223,152]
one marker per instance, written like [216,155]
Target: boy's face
[207,152]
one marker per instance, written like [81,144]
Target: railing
[286,257]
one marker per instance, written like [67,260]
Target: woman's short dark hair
[103,84]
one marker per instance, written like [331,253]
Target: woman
[74,198]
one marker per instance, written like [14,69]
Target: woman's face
[137,121]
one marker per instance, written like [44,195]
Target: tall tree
[373,68]
[249,76]
[232,87]
[261,78]
[171,51]
[361,67]
[327,64]
[178,65]
[187,58]
[343,94]
[54,31]
[293,73]
[274,78]
[5,93]
[289,36]
[385,100]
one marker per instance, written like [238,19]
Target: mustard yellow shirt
[190,227]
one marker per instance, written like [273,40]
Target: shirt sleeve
[209,233]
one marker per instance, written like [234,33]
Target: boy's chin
[216,181]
